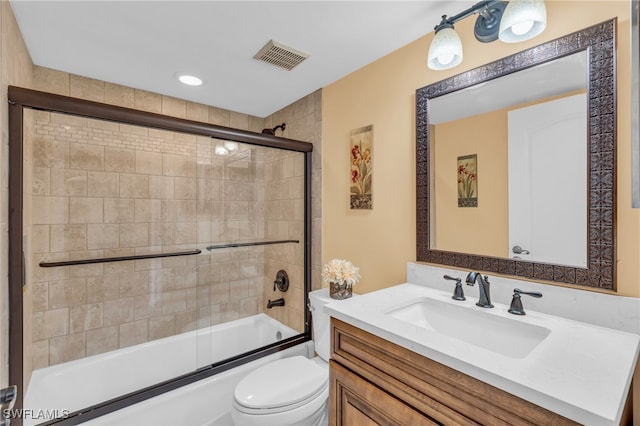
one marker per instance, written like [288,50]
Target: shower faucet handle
[282,281]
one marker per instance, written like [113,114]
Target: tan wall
[382,240]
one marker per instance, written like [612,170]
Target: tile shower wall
[284,211]
[108,189]
[304,122]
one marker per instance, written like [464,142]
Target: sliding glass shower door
[151,254]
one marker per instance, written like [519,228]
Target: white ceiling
[145,44]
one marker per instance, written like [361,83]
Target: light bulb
[231,146]
[522,27]
[445,58]
[522,20]
[221,150]
[190,80]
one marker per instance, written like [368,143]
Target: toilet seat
[280,386]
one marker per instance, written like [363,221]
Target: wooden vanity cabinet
[373,381]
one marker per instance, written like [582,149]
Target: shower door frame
[20,98]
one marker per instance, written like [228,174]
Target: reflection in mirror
[526,137]
[529,132]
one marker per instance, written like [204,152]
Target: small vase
[340,290]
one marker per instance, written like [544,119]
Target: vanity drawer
[439,392]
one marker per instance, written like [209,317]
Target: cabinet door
[356,402]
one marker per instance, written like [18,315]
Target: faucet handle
[516,307]
[449,277]
[458,293]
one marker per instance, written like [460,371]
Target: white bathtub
[206,402]
[78,384]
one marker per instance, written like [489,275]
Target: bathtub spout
[277,302]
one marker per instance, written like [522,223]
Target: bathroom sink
[560,364]
[475,326]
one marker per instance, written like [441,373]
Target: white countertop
[574,372]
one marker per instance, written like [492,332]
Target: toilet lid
[281,383]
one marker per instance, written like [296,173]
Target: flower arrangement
[341,275]
[340,270]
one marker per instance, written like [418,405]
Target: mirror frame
[600,45]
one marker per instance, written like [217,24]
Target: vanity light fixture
[190,80]
[511,22]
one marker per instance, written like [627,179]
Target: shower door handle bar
[257,243]
[118,259]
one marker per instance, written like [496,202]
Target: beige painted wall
[382,240]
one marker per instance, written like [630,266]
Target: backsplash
[605,310]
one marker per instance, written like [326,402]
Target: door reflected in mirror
[529,132]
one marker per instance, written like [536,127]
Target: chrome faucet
[483,287]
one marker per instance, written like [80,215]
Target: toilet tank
[321,321]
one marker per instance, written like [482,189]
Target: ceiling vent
[282,56]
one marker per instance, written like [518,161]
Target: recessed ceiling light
[190,80]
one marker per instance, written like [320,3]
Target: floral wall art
[468,181]
[361,167]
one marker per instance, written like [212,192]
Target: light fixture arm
[481,7]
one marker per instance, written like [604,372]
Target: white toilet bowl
[289,391]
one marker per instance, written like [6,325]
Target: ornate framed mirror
[481,236]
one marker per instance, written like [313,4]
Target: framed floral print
[468,181]
[361,157]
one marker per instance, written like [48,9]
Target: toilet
[289,391]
